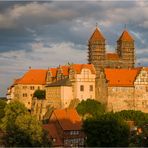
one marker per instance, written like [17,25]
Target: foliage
[107,130]
[12,111]
[90,107]
[39,94]
[2,106]
[139,117]
[21,128]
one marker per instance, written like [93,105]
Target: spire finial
[124,26]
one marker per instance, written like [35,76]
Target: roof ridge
[125,36]
[97,35]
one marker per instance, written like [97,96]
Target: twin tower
[123,57]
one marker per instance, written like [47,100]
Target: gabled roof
[125,36]
[65,70]
[112,56]
[68,119]
[33,76]
[78,67]
[121,77]
[97,35]
[53,71]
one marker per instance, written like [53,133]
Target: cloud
[44,34]
[15,63]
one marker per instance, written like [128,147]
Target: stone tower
[125,49]
[96,50]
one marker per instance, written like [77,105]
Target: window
[25,95]
[81,87]
[24,87]
[91,88]
[32,87]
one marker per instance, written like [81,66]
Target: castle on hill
[110,78]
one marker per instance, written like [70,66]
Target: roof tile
[121,77]
[33,76]
[112,56]
[125,36]
[97,35]
[68,119]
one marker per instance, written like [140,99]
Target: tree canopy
[90,107]
[21,128]
[139,117]
[106,131]
[39,94]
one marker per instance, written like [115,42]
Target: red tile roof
[65,70]
[53,133]
[125,36]
[68,119]
[78,67]
[112,56]
[121,77]
[53,72]
[33,76]
[97,35]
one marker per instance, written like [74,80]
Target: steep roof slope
[125,36]
[79,67]
[121,77]
[97,35]
[33,76]
[68,119]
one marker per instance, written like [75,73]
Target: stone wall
[24,93]
[120,98]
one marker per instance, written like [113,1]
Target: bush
[39,94]
[90,107]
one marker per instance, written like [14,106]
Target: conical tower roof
[125,36]
[97,35]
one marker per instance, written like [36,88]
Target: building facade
[24,88]
[75,81]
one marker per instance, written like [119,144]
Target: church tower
[125,49]
[96,50]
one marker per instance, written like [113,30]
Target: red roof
[53,133]
[112,56]
[121,77]
[33,76]
[125,36]
[97,35]
[78,67]
[53,72]
[65,70]
[68,119]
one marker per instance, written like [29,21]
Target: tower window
[81,87]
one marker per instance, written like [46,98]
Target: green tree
[106,131]
[21,128]
[39,94]
[139,117]
[2,106]
[90,108]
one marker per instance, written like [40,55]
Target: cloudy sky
[48,33]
